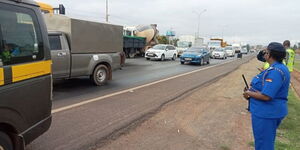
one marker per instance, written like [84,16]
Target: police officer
[268,97]
[290,55]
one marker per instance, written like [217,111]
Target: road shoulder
[212,117]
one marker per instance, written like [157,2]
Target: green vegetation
[251,144]
[224,147]
[288,135]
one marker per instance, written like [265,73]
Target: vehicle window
[161,47]
[195,50]
[20,36]
[171,48]
[55,43]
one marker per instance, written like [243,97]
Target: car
[195,55]
[219,53]
[161,52]
[230,51]
[244,51]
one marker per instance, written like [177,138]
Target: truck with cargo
[138,39]
[84,48]
[133,45]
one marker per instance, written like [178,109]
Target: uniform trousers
[264,131]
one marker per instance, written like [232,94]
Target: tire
[131,55]
[147,58]
[174,57]
[162,57]
[5,142]
[100,75]
[201,62]
[181,62]
[207,61]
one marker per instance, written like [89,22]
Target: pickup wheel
[5,142]
[100,75]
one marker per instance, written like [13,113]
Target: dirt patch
[211,118]
[295,79]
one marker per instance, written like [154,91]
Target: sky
[246,21]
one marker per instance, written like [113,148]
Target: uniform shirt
[274,83]
[290,59]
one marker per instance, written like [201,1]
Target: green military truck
[133,45]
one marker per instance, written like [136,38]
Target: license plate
[188,59]
[150,54]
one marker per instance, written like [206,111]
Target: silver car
[219,53]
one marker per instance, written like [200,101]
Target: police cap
[275,46]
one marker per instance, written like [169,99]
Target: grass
[224,147]
[288,134]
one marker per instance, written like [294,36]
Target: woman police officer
[268,97]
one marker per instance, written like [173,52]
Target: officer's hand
[246,96]
[246,89]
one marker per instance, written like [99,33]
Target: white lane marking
[131,89]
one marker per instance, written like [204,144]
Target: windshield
[183,44]
[219,50]
[161,47]
[228,48]
[214,44]
[195,50]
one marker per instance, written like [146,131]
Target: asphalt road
[136,72]
[86,126]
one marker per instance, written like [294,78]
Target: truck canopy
[86,36]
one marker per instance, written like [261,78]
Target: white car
[230,51]
[162,52]
[244,51]
[219,53]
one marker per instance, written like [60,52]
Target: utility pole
[106,16]
[199,14]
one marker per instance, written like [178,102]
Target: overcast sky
[248,21]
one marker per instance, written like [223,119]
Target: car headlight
[199,55]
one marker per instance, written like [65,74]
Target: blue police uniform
[267,115]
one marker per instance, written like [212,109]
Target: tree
[162,39]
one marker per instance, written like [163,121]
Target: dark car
[195,55]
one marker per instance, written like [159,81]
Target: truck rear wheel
[100,75]
[131,55]
[5,142]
